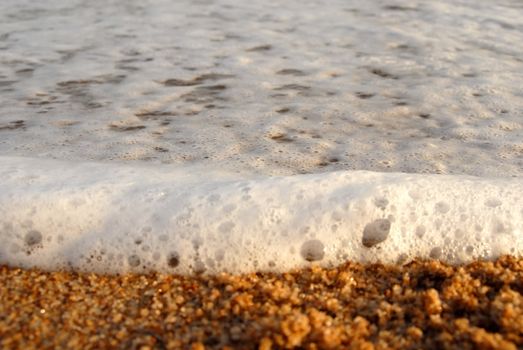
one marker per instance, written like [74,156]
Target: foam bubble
[133,260]
[442,207]
[173,260]
[313,250]
[435,252]
[375,232]
[33,238]
[493,202]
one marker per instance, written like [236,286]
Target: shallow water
[242,91]
[266,87]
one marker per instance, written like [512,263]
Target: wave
[114,218]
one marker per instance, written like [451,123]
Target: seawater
[207,136]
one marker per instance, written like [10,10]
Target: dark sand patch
[17,124]
[123,127]
[197,80]
[365,95]
[260,48]
[281,138]
[154,115]
[295,87]
[291,71]
[383,74]
[283,110]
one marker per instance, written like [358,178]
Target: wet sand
[424,304]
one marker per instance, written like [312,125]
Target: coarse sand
[424,304]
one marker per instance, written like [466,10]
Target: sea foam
[206,136]
[115,218]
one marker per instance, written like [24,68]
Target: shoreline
[424,304]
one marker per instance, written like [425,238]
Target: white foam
[231,93]
[116,218]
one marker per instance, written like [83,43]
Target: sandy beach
[158,158]
[424,304]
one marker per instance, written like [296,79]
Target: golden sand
[425,304]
